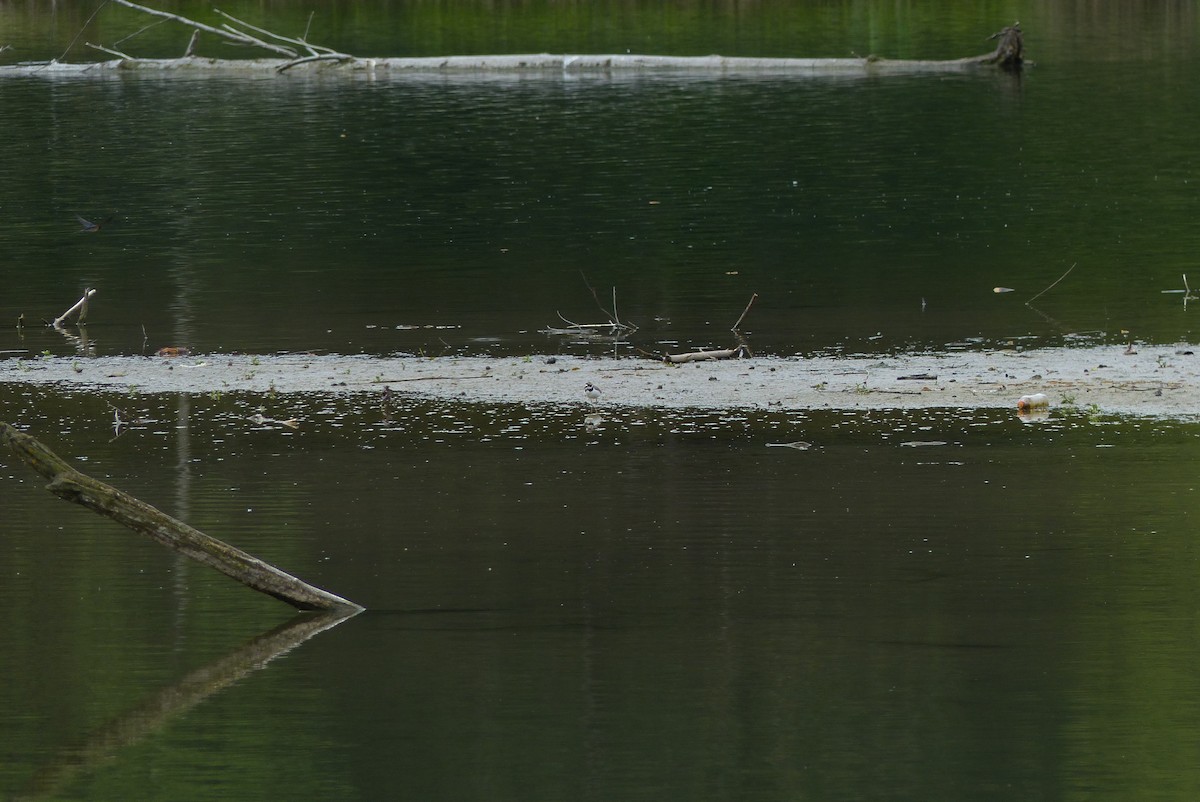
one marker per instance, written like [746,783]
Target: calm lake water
[935,605]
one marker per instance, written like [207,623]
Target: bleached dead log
[1007,55]
[697,356]
[546,65]
[72,485]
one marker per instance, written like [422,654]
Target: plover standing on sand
[592,392]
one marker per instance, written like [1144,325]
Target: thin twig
[312,49]
[596,297]
[243,38]
[110,51]
[1043,292]
[139,32]
[84,28]
[753,298]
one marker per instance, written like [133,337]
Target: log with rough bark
[71,485]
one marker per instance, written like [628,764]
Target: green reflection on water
[662,608]
[666,607]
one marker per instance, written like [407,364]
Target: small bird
[592,392]
[89,227]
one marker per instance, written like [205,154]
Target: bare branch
[1060,278]
[84,28]
[139,31]
[80,307]
[745,312]
[312,49]
[110,51]
[240,38]
[318,57]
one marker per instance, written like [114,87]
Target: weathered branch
[71,485]
[746,311]
[311,48]
[80,307]
[110,51]
[235,36]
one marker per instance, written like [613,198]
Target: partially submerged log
[71,485]
[299,52]
[536,64]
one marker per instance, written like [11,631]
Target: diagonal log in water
[71,485]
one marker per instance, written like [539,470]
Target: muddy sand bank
[1157,381]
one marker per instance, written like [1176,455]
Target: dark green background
[667,609]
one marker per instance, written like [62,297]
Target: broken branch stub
[71,485]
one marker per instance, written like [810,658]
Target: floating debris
[1028,403]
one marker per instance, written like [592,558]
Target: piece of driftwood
[81,306]
[721,353]
[71,485]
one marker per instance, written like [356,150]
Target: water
[665,608]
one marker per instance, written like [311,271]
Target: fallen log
[543,65]
[299,52]
[71,485]
[721,353]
